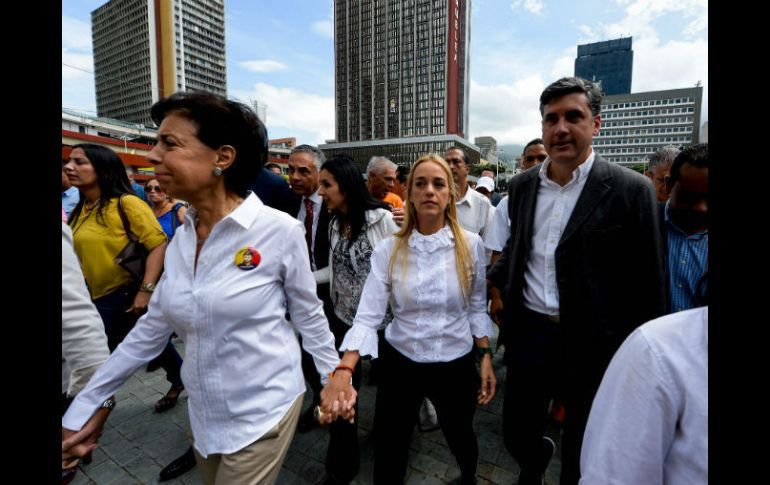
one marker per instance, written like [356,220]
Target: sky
[281,53]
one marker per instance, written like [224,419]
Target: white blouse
[432,322]
[242,362]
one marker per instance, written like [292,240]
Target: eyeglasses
[153,188]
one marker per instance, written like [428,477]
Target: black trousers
[451,386]
[537,369]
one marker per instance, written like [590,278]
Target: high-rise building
[401,71]
[488,147]
[610,62]
[145,50]
[635,125]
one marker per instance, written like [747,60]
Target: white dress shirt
[553,209]
[316,200]
[499,228]
[473,211]
[649,419]
[83,341]
[432,322]
[242,363]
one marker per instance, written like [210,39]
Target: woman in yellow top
[99,236]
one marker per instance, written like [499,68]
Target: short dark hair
[569,85]
[462,150]
[221,121]
[696,155]
[536,141]
[272,165]
[402,173]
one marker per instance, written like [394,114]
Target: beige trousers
[257,464]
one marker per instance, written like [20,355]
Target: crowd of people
[273,284]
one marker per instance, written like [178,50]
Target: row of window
[649,131]
[654,102]
[655,121]
[652,112]
[636,141]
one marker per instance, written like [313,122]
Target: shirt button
[684,262]
[679,285]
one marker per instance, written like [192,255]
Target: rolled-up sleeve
[481,324]
[143,222]
[362,336]
[305,308]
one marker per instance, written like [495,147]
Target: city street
[137,442]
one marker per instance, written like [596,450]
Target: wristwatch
[148,287]
[108,404]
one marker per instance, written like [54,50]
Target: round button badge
[247,258]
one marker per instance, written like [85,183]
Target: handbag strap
[126,224]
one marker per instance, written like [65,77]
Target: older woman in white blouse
[242,363]
[433,274]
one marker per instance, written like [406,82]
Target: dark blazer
[320,247]
[273,191]
[609,261]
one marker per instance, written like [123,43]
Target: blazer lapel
[597,185]
[529,199]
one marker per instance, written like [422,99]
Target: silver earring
[217,171]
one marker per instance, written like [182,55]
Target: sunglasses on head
[153,188]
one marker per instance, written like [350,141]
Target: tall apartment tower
[145,50]
[401,78]
[401,68]
[610,62]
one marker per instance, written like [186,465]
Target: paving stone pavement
[138,442]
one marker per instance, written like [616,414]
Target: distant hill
[509,152]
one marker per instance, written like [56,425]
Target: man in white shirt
[649,421]
[472,207]
[585,243]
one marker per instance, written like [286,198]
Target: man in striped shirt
[685,218]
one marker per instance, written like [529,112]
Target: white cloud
[263,66]
[534,7]
[297,113]
[324,28]
[508,112]
[75,34]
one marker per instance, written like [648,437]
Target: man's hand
[398,215]
[338,398]
[495,305]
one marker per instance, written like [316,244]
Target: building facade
[636,125]
[145,50]
[488,148]
[401,151]
[401,68]
[610,62]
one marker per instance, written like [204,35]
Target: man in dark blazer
[304,167]
[582,268]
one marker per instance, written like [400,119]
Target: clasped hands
[338,399]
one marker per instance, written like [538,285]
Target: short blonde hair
[463,259]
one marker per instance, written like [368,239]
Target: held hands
[78,444]
[488,380]
[338,399]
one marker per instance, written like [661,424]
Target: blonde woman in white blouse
[433,274]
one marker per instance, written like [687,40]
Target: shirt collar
[466,199]
[243,215]
[580,173]
[314,197]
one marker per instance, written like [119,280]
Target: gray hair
[378,164]
[664,155]
[318,155]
